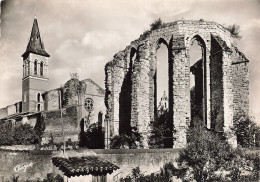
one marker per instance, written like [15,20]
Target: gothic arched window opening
[41,68]
[38,97]
[39,107]
[35,67]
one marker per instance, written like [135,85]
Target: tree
[6,133]
[93,138]
[131,140]
[159,131]
[24,134]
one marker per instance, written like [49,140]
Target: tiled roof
[76,166]
[35,44]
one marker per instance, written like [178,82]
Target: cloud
[101,39]
[81,36]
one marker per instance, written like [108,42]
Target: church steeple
[35,72]
[35,44]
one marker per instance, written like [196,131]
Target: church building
[77,99]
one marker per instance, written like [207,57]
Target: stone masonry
[224,80]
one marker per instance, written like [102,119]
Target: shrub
[130,140]
[165,174]
[25,135]
[211,158]
[205,153]
[234,30]
[93,138]
[245,129]
[160,132]
[156,24]
[21,134]
[6,133]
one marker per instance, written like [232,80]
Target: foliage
[244,167]
[6,133]
[160,131]
[153,26]
[15,178]
[39,127]
[234,30]
[210,158]
[25,135]
[130,140]
[15,133]
[156,24]
[165,174]
[205,153]
[21,134]
[52,178]
[93,138]
[245,129]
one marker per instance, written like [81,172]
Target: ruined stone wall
[177,36]
[240,83]
[216,87]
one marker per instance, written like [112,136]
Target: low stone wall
[27,165]
[148,160]
[33,165]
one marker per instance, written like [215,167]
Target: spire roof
[35,44]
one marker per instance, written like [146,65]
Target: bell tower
[35,72]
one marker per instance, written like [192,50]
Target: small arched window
[35,67]
[26,69]
[41,68]
[38,97]
[39,107]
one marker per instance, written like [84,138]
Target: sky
[82,36]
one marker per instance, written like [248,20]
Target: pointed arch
[38,97]
[41,69]
[198,80]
